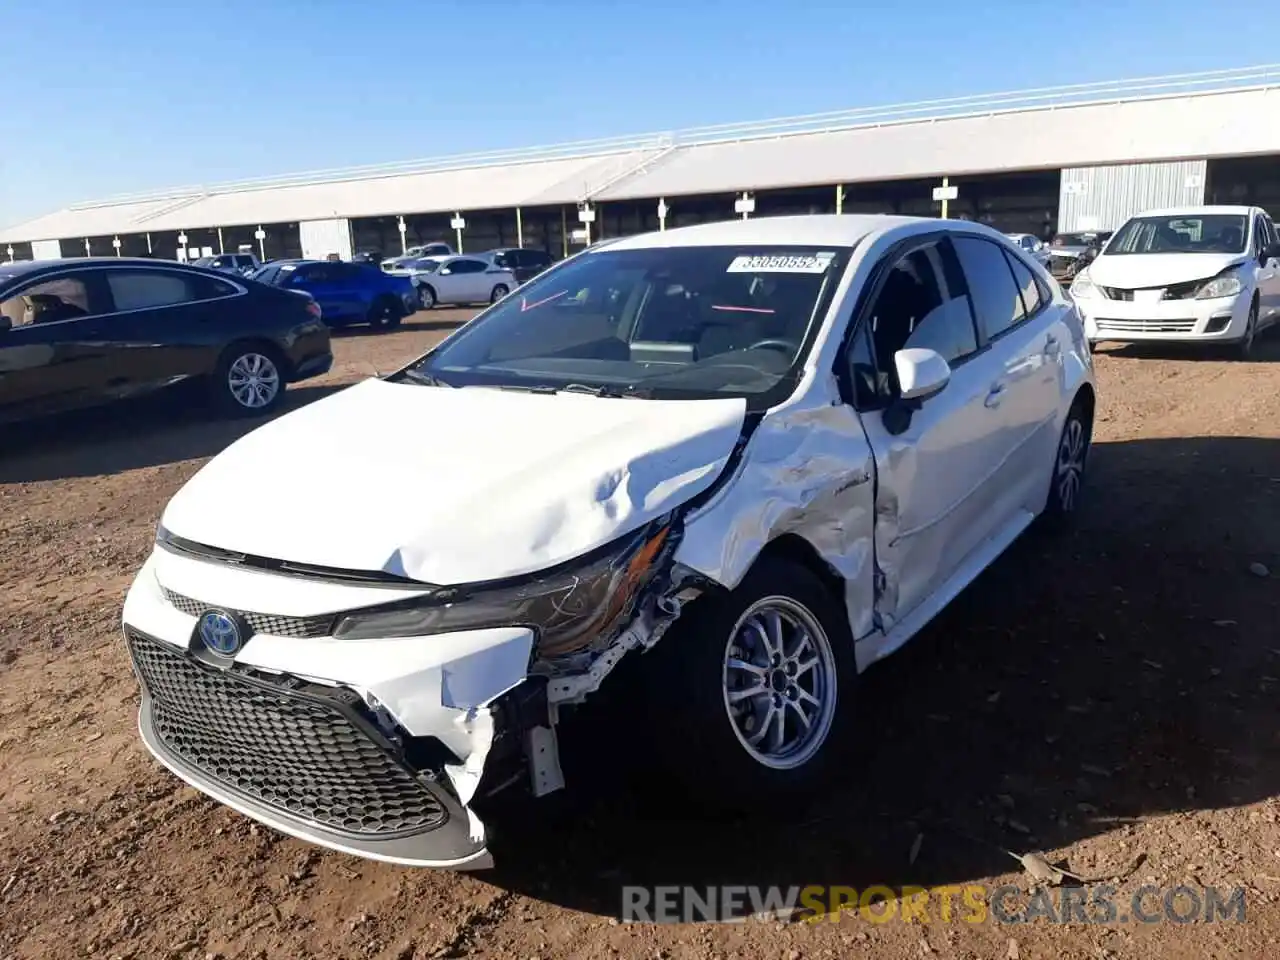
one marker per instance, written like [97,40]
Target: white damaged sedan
[757,455]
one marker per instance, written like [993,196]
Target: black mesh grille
[299,628]
[1183,291]
[303,754]
[1117,293]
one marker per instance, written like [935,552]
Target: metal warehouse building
[1067,158]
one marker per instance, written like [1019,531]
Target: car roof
[809,230]
[19,268]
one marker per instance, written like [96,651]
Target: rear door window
[996,300]
[149,289]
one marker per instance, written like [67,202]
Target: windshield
[425,266]
[203,262]
[1203,233]
[672,322]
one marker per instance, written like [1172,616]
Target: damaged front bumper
[382,748]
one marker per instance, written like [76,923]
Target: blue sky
[109,97]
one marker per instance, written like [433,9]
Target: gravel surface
[1109,698]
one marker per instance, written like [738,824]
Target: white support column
[402,227]
[9,251]
[663,210]
[221,247]
[149,250]
[839,198]
[745,205]
[945,193]
[519,228]
[586,216]
[459,223]
[115,242]
[261,236]
[88,250]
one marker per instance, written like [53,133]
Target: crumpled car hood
[1136,270]
[452,486]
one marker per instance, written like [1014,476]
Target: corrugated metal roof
[477,188]
[1208,114]
[1202,125]
[564,180]
[89,221]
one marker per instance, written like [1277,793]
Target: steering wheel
[776,344]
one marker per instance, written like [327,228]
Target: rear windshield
[1204,233]
[673,322]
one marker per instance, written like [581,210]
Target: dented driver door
[934,502]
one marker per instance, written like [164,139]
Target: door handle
[994,395]
[1051,348]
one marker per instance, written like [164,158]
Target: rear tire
[1071,457]
[385,314]
[776,647]
[249,380]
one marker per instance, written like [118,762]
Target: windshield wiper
[426,379]
[523,387]
[604,390]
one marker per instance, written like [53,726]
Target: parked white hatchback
[1207,274]
[764,453]
[458,280]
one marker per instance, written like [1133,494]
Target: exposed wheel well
[1087,400]
[797,549]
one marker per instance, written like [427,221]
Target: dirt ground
[1109,698]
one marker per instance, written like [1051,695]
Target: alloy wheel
[779,683]
[253,380]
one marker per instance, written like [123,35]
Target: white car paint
[475,484]
[1147,311]
[454,519]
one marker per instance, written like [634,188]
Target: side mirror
[445,271]
[5,324]
[1271,252]
[922,373]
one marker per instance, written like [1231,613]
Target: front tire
[754,689]
[500,291]
[426,297]
[1244,349]
[249,381]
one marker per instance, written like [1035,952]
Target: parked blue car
[348,293]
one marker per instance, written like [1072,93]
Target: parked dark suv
[524,263]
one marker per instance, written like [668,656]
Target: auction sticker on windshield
[781,263]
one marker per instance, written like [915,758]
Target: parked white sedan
[1205,274]
[769,450]
[459,280]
